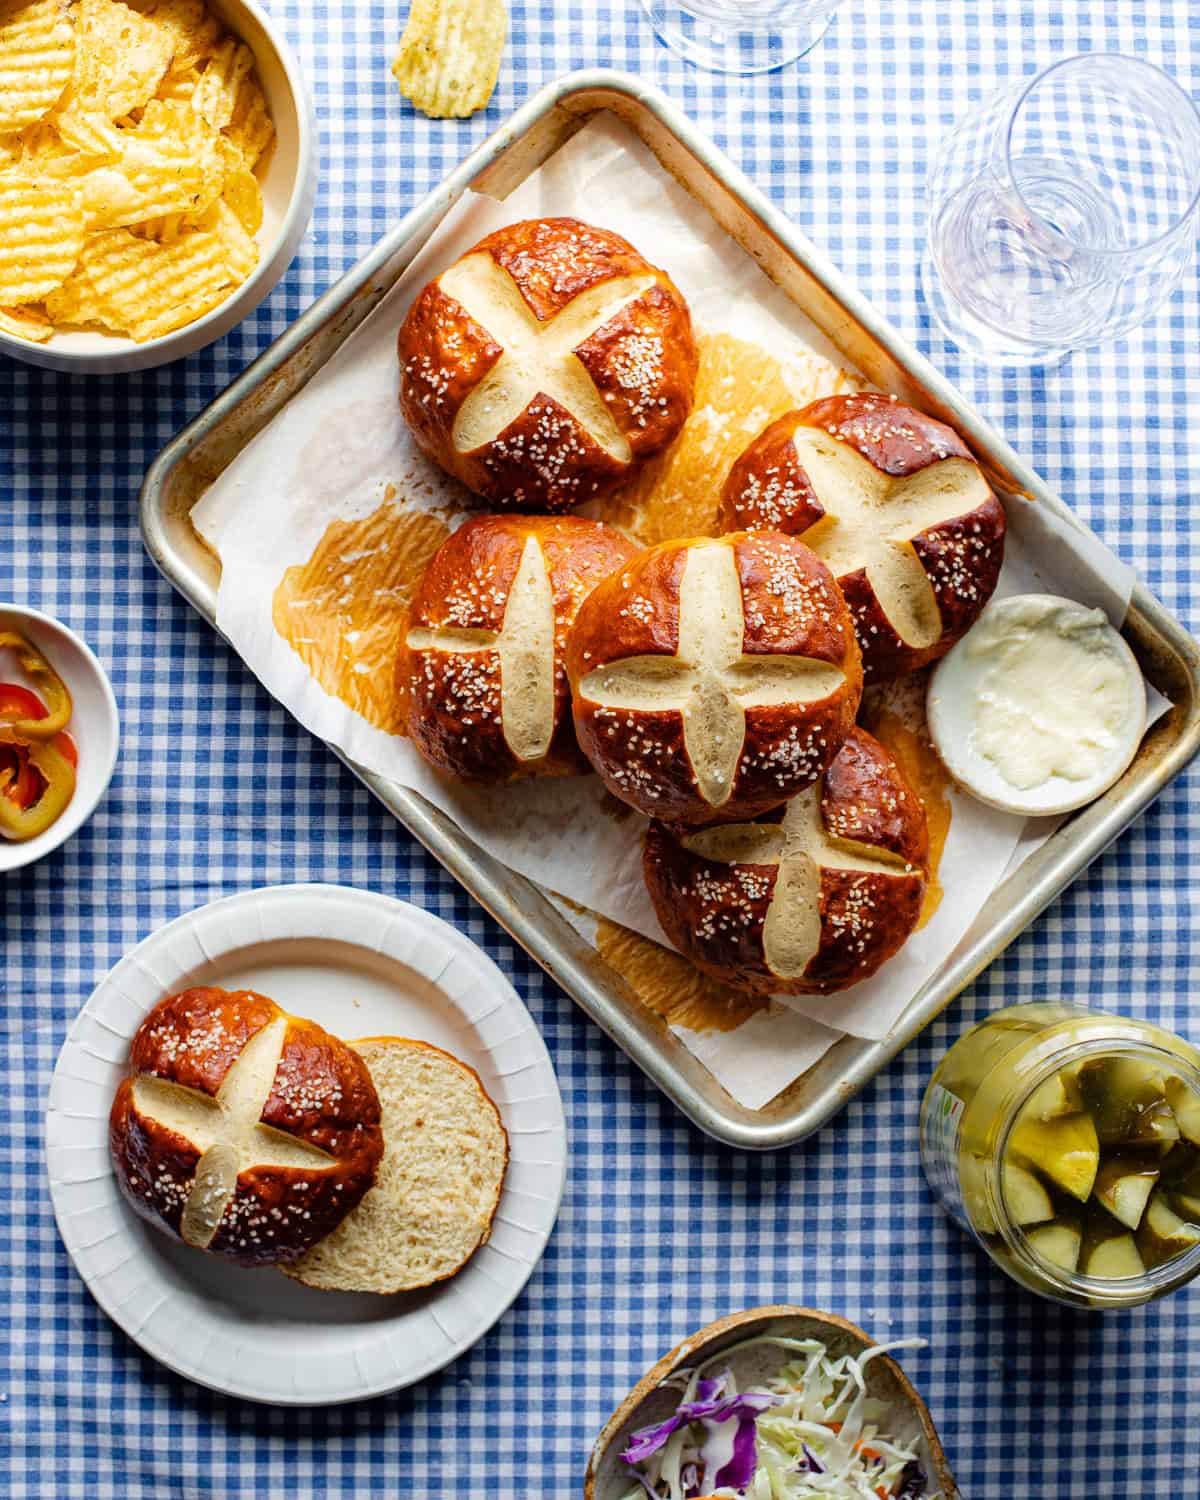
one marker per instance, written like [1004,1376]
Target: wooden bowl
[908,1420]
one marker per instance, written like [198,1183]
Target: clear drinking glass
[740,36]
[1064,211]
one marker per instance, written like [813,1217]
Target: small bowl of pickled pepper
[58,734]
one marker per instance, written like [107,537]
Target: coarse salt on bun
[547,364]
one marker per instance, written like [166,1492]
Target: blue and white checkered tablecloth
[218,790]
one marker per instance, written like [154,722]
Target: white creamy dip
[1053,696]
[1040,707]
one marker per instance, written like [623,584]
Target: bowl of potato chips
[157,174]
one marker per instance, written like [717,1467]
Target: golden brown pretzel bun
[895,504]
[546,364]
[808,900]
[243,1130]
[481,663]
[714,678]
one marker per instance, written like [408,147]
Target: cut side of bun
[438,1186]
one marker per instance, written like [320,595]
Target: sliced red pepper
[17,724]
[57,776]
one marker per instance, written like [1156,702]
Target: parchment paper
[339,447]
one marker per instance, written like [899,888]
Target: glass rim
[1138,62]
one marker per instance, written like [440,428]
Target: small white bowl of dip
[1040,707]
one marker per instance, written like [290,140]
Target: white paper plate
[362,965]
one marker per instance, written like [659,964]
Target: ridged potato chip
[241,253]
[143,184]
[37,56]
[216,94]
[250,127]
[178,83]
[88,131]
[194,32]
[449,57]
[41,235]
[26,323]
[146,289]
[243,194]
[120,59]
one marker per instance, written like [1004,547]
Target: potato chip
[250,127]
[178,83]
[241,253]
[37,55]
[195,34]
[449,55]
[88,131]
[41,235]
[241,191]
[174,130]
[26,323]
[121,58]
[143,184]
[217,92]
[146,289]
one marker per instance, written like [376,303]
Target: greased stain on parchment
[344,610]
[668,985]
[899,725]
[739,389]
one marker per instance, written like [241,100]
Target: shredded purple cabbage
[811,1463]
[713,1410]
[912,1481]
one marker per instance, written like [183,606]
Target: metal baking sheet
[1168,655]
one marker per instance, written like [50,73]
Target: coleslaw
[809,1431]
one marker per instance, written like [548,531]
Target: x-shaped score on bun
[227,1130]
[872,517]
[539,357]
[525,645]
[710,680]
[801,847]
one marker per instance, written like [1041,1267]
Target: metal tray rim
[456,853]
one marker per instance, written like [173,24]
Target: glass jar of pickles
[1067,1142]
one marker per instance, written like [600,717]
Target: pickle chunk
[1185,1105]
[1127,1098]
[1026,1200]
[1058,1243]
[1065,1150]
[1123,1186]
[1114,1259]
[1163,1233]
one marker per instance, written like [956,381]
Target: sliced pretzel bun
[714,678]
[897,506]
[243,1130]
[545,365]
[481,666]
[444,1159]
[812,898]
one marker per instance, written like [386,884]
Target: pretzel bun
[482,659]
[714,678]
[546,364]
[895,504]
[812,898]
[243,1130]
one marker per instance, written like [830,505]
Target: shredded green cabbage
[821,1439]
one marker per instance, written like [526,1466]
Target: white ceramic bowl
[94,725]
[289,187]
